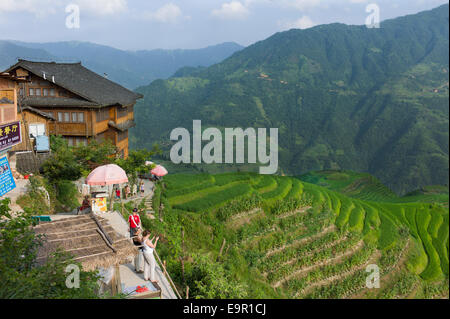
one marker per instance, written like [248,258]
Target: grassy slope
[408,239]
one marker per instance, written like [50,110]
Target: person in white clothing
[149,259]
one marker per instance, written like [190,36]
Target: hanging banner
[7,183]
[10,135]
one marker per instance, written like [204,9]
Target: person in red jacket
[135,222]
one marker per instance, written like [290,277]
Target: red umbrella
[107,175]
[159,171]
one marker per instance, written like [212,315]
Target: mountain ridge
[343,97]
[128,68]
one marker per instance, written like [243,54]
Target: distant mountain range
[129,68]
[343,97]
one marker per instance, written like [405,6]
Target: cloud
[102,7]
[42,8]
[169,13]
[231,10]
[39,8]
[301,4]
[304,22]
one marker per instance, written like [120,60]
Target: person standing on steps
[142,187]
[127,191]
[149,258]
[134,192]
[139,259]
[135,222]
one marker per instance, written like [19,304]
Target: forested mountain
[343,97]
[10,52]
[129,68]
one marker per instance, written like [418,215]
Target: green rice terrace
[283,237]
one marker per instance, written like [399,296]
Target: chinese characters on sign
[10,135]
[6,179]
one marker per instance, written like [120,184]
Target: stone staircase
[149,207]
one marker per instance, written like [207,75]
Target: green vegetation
[343,97]
[54,190]
[297,239]
[22,277]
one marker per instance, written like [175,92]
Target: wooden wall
[8,112]
[30,118]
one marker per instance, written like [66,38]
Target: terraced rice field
[301,240]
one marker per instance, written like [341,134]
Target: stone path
[127,274]
[21,188]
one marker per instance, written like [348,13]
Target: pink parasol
[159,171]
[107,175]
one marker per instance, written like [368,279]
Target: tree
[63,164]
[134,164]
[95,154]
[209,280]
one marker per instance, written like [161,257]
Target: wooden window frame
[102,115]
[122,136]
[122,112]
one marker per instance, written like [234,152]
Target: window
[52,92]
[70,141]
[37,92]
[21,92]
[122,111]
[122,135]
[37,129]
[102,115]
[63,117]
[78,117]
[81,141]
[31,92]
[45,92]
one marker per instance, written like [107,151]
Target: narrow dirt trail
[374,257]
[309,253]
[301,241]
[336,259]
[294,212]
[391,273]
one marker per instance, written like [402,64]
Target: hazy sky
[169,24]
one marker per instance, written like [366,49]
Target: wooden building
[33,123]
[8,98]
[80,105]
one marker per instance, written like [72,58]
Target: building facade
[75,103]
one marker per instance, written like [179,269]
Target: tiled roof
[58,101]
[81,81]
[39,112]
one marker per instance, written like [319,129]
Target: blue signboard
[6,179]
